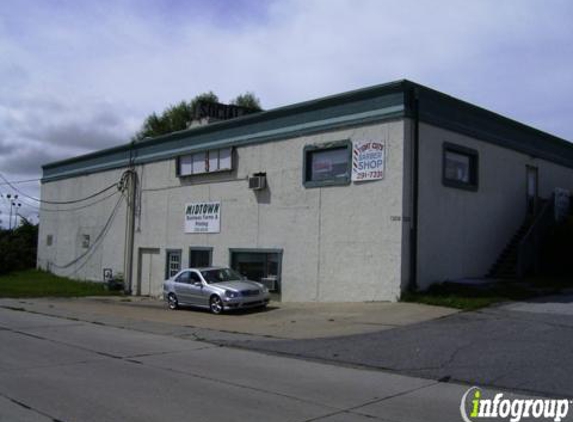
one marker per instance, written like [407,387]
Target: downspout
[413,279]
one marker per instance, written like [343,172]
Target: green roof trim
[364,106]
[447,112]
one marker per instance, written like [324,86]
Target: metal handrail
[530,245]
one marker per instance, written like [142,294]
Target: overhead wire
[16,182]
[96,241]
[81,207]
[73,201]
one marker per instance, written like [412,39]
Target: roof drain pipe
[413,279]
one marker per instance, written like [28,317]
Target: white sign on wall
[368,160]
[203,217]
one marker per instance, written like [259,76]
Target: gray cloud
[5,148]
[28,161]
[78,135]
[33,133]
[108,118]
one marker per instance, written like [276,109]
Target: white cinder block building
[352,197]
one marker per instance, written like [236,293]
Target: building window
[212,161]
[460,167]
[85,241]
[262,265]
[327,164]
[49,240]
[173,262]
[200,257]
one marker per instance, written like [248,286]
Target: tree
[178,117]
[18,247]
[206,97]
[248,100]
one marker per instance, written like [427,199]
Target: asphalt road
[60,370]
[63,369]
[524,347]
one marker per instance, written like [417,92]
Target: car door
[197,289]
[182,286]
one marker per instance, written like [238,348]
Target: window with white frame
[173,262]
[202,162]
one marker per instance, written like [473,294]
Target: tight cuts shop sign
[203,217]
[368,160]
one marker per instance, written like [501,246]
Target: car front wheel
[216,305]
[172,301]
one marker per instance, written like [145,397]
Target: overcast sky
[77,76]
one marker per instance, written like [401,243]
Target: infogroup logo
[474,406]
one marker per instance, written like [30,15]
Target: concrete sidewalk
[279,320]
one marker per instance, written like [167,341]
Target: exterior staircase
[506,265]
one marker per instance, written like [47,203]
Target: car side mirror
[197,283]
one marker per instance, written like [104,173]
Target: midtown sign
[203,217]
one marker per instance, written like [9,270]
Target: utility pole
[16,206]
[9,196]
[13,204]
[129,230]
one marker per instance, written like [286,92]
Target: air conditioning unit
[269,282]
[258,182]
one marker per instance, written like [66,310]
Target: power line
[32,207]
[15,182]
[74,201]
[42,209]
[96,241]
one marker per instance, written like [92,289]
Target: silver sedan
[215,288]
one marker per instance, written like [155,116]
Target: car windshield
[220,274]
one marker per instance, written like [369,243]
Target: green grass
[35,283]
[472,298]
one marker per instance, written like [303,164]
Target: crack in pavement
[87,349]
[240,385]
[28,407]
[524,316]
[352,409]
[49,365]
[442,365]
[144,355]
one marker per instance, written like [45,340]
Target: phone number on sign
[369,175]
